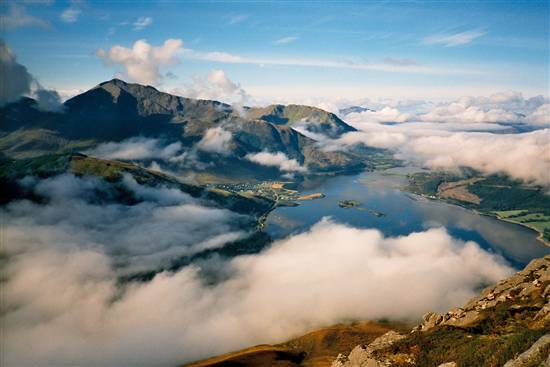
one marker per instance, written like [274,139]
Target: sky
[274,50]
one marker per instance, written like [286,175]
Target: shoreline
[539,235]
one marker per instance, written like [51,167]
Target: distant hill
[313,119]
[112,171]
[353,109]
[116,110]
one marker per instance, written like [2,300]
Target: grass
[531,218]
[508,199]
[467,349]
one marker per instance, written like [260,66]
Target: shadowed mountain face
[116,110]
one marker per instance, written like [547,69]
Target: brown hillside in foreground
[315,349]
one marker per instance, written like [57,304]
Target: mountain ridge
[114,110]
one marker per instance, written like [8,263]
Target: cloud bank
[523,156]
[502,133]
[331,273]
[503,107]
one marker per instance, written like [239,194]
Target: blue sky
[424,49]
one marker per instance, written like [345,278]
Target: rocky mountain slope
[508,324]
[116,110]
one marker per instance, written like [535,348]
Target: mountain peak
[114,86]
[114,81]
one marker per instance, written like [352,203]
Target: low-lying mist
[64,303]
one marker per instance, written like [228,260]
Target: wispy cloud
[396,67]
[238,18]
[285,40]
[70,15]
[142,22]
[456,39]
[399,62]
[17,17]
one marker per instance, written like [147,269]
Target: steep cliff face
[507,324]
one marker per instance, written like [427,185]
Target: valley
[148,149]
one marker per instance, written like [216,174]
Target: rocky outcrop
[516,307]
[362,355]
[527,290]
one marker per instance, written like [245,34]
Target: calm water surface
[404,214]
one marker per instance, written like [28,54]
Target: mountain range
[115,110]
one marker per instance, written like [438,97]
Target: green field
[510,200]
[539,221]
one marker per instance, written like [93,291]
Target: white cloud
[216,140]
[64,307]
[386,114]
[138,148]
[17,17]
[142,62]
[142,22]
[501,107]
[523,156]
[215,86]
[71,14]
[278,159]
[541,116]
[498,107]
[286,40]
[455,39]
[460,112]
[490,134]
